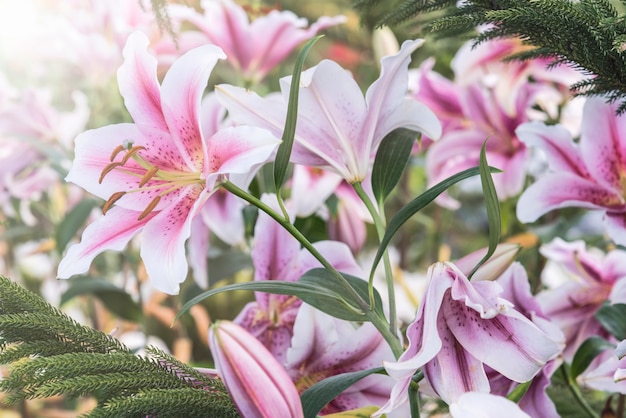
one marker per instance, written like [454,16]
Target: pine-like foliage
[590,35]
[51,354]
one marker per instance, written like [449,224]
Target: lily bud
[384,43]
[493,268]
[258,384]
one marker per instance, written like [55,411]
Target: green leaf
[114,298]
[493,208]
[283,153]
[318,287]
[518,393]
[586,353]
[418,204]
[72,222]
[392,158]
[613,319]
[317,396]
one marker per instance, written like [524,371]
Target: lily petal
[603,142]
[181,91]
[561,190]
[454,370]
[557,143]
[163,241]
[138,83]
[615,223]
[110,232]
[508,343]
[485,405]
[230,151]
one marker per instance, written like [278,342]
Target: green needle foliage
[51,354]
[589,35]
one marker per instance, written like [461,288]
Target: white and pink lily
[483,117]
[590,174]
[253,47]
[276,255]
[462,326]
[486,64]
[323,346]
[338,129]
[159,171]
[258,384]
[607,372]
[591,279]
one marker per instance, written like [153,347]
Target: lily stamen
[149,208]
[107,170]
[149,174]
[131,153]
[114,198]
[116,151]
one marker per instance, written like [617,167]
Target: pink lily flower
[338,129]
[28,126]
[483,117]
[323,346]
[258,384]
[590,174]
[276,255]
[253,48]
[460,327]
[607,372]
[485,63]
[591,280]
[159,171]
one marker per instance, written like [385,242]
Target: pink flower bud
[258,384]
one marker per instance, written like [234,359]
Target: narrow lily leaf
[418,204]
[613,319]
[323,279]
[317,396]
[72,222]
[585,354]
[520,390]
[284,150]
[115,299]
[392,158]
[317,287]
[493,208]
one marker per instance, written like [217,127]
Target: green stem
[379,222]
[573,388]
[376,320]
[414,401]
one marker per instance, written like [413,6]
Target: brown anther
[108,169]
[131,152]
[116,151]
[149,174]
[149,208]
[114,198]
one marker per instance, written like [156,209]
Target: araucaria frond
[589,35]
[51,354]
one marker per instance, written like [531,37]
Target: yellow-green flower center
[165,180]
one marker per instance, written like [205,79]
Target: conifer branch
[51,354]
[588,35]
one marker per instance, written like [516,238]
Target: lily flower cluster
[185,199]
